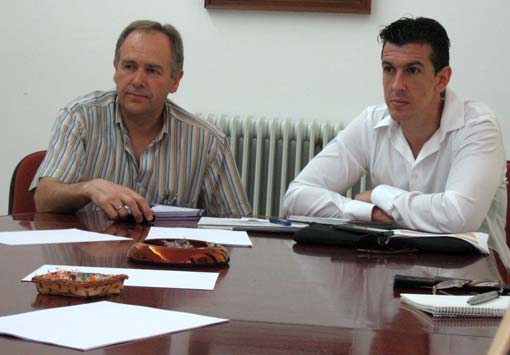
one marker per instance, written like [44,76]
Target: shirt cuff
[354,209]
[384,196]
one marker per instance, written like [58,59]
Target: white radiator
[269,153]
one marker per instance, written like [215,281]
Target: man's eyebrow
[415,63]
[410,64]
[154,66]
[127,61]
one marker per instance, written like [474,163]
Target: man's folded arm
[304,199]
[477,171]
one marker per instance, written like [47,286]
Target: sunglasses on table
[477,298]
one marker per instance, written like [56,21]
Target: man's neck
[142,131]
[419,131]
[144,126]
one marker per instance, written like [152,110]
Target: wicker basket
[67,283]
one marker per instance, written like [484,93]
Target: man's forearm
[54,196]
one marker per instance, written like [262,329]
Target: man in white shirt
[436,161]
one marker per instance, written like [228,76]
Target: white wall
[277,64]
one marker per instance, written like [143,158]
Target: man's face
[411,88]
[143,74]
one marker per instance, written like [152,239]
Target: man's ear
[443,77]
[175,81]
[115,71]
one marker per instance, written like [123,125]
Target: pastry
[79,284]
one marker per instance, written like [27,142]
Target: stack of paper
[170,213]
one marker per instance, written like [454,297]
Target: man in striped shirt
[125,149]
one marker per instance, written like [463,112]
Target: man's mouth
[399,102]
[136,95]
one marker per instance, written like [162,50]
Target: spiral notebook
[456,306]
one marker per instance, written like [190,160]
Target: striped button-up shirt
[188,164]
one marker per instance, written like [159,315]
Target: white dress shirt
[455,184]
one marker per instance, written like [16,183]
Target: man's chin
[399,114]
[131,109]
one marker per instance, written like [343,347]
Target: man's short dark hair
[168,30]
[421,30]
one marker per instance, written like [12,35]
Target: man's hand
[117,201]
[365,196]
[378,215]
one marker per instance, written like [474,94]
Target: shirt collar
[452,117]
[118,118]
[167,113]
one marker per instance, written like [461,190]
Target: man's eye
[129,67]
[152,71]
[413,70]
[387,69]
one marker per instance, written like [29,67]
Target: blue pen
[283,222]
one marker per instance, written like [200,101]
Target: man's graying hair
[421,30]
[173,36]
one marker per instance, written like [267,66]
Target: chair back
[507,228]
[20,199]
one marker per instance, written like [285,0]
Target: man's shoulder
[180,114]
[465,112]
[94,98]
[475,109]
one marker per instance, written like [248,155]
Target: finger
[134,211]
[110,210]
[148,214]
[123,212]
[141,210]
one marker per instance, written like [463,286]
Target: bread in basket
[79,284]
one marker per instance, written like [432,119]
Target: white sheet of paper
[97,324]
[143,277]
[54,236]
[478,239]
[235,238]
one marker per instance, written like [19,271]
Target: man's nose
[139,78]
[399,82]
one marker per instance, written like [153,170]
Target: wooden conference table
[280,297]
